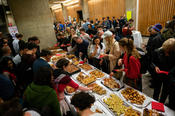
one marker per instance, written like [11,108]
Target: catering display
[85,79]
[112,97]
[97,73]
[86,67]
[97,89]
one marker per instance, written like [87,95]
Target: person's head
[6,51]
[22,47]
[44,76]
[68,29]
[96,40]
[46,54]
[19,36]
[113,17]
[4,41]
[108,36]
[127,45]
[169,46]
[156,28]
[91,21]
[82,101]
[108,18]
[103,18]
[82,30]
[171,26]
[6,63]
[32,47]
[96,19]
[89,26]
[79,40]
[58,36]
[63,64]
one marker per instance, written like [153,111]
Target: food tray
[99,71]
[67,93]
[99,95]
[75,78]
[88,65]
[146,102]
[99,108]
[110,110]
[54,59]
[146,112]
[115,89]
[77,71]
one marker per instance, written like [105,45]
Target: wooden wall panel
[72,10]
[104,8]
[154,11]
[59,15]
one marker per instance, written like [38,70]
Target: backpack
[143,61]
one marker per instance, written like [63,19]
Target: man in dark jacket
[45,56]
[82,48]
[155,41]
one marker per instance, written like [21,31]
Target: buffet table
[100,105]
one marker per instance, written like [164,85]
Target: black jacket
[165,63]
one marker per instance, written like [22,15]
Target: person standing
[131,63]
[16,42]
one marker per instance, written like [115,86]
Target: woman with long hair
[62,79]
[131,63]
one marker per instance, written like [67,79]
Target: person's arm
[76,86]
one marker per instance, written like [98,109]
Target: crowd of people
[30,86]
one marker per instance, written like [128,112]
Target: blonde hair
[131,50]
[169,46]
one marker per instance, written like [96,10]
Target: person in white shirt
[96,50]
[82,102]
[16,42]
[84,35]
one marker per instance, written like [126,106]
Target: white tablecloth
[137,38]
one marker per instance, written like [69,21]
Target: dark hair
[97,37]
[108,17]
[45,52]
[4,50]
[62,62]
[31,46]
[11,108]
[4,64]
[82,29]
[22,45]
[34,38]
[43,76]
[91,21]
[18,35]
[82,100]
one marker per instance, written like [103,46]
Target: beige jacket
[114,54]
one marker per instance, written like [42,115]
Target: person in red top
[62,79]
[131,63]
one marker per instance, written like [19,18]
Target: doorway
[79,15]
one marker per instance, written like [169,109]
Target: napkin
[163,72]
[81,62]
[158,106]
[59,54]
